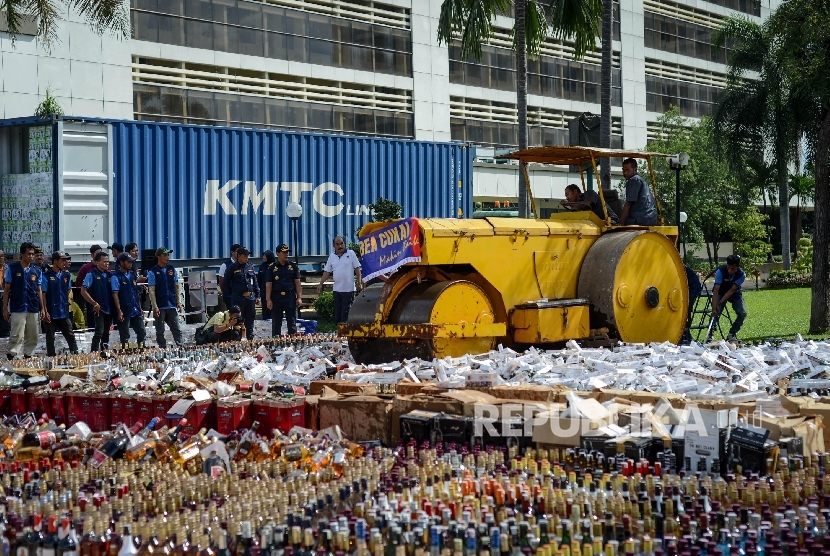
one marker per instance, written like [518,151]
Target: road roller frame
[518,282]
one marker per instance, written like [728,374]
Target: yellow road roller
[520,282]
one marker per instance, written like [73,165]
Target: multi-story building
[373,67]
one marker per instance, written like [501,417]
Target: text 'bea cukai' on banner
[386,249]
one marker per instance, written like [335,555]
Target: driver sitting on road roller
[577,200]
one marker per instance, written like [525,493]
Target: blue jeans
[738,305]
[342,304]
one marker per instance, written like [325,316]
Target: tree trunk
[784,211]
[521,100]
[605,91]
[820,307]
[766,224]
[709,253]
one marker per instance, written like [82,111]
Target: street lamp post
[683,218]
[677,163]
[294,211]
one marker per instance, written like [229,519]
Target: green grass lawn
[776,314]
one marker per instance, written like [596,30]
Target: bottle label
[97,459]
[46,439]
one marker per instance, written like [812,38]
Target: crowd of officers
[37,293]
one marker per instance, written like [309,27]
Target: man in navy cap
[57,282]
[283,291]
[126,301]
[243,288]
[220,275]
[97,291]
[165,295]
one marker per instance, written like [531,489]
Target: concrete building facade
[372,67]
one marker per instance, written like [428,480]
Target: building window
[693,100]
[546,76]
[192,106]
[259,29]
[488,133]
[751,7]
[683,37]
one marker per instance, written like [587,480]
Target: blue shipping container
[199,189]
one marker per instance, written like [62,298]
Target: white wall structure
[89,74]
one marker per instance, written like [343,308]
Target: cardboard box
[407,388]
[819,410]
[99,416]
[131,410]
[199,415]
[341,387]
[5,401]
[19,403]
[554,430]
[528,392]
[57,407]
[360,417]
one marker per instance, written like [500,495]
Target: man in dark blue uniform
[728,281]
[243,288]
[56,285]
[283,292]
[220,276]
[165,297]
[125,298]
[97,291]
[23,302]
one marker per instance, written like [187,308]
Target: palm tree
[101,15]
[760,108]
[471,22]
[605,91]
[761,178]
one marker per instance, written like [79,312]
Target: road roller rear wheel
[448,302]
[636,284]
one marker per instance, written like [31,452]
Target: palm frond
[47,15]
[578,21]
[536,28]
[451,20]
[14,17]
[105,15]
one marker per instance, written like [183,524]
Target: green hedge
[324,306]
[789,279]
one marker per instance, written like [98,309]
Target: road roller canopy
[574,156]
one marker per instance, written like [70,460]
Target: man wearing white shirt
[345,266]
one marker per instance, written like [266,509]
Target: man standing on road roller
[728,281]
[640,208]
[344,265]
[283,291]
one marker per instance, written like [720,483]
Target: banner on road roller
[386,249]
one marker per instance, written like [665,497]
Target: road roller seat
[613,201]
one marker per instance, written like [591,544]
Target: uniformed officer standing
[23,302]
[97,291]
[126,301]
[244,289]
[165,297]
[57,283]
[283,291]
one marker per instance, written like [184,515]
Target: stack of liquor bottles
[315,494]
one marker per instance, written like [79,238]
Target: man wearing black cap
[56,285]
[79,282]
[241,283]
[165,297]
[126,301]
[220,275]
[283,292]
[117,249]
